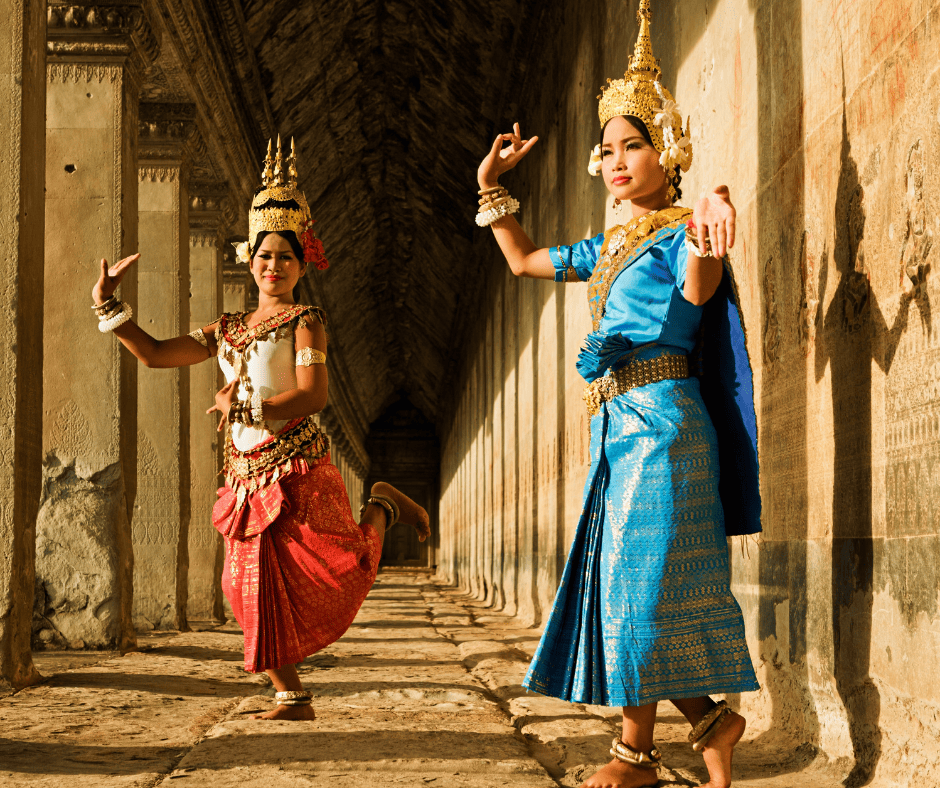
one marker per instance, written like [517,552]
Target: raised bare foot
[409,512]
[287,713]
[618,774]
[719,752]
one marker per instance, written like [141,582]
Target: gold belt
[302,439]
[638,373]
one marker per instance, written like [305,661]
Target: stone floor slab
[424,690]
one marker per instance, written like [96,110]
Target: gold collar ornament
[642,95]
[280,205]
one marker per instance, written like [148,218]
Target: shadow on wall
[852,323]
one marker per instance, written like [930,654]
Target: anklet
[708,726]
[293,698]
[626,754]
[391,508]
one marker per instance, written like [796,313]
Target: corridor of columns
[141,125]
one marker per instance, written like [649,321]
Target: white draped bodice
[264,366]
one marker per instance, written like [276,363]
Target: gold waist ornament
[638,373]
[265,464]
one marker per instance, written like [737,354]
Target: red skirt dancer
[297,564]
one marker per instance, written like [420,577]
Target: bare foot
[719,752]
[287,713]
[409,512]
[618,774]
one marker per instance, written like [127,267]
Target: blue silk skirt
[644,611]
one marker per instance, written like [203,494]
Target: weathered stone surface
[84,564]
[206,551]
[22,91]
[160,525]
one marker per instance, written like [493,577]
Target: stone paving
[424,690]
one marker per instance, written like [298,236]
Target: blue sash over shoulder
[727,386]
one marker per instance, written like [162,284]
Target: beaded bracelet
[495,203]
[112,320]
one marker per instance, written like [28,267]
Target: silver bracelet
[119,319]
[486,218]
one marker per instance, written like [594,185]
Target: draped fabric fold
[570,660]
[645,611]
[297,564]
[601,351]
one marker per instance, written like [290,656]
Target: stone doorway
[405,452]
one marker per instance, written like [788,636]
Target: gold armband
[308,356]
[200,336]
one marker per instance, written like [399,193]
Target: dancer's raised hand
[502,159]
[110,278]
[714,219]
[224,398]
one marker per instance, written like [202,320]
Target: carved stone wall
[206,209]
[84,558]
[23,96]
[823,120]
[160,525]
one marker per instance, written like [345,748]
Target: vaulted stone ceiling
[392,103]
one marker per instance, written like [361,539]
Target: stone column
[84,559]
[160,526]
[22,138]
[235,279]
[206,551]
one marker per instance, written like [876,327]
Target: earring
[617,204]
[671,193]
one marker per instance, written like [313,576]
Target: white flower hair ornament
[594,166]
[677,145]
[242,252]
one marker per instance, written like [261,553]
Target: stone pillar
[160,526]
[235,280]
[84,558]
[206,551]
[22,138]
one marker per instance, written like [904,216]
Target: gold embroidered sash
[623,244]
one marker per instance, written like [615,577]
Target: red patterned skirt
[297,564]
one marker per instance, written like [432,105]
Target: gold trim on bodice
[623,244]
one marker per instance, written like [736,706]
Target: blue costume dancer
[644,611]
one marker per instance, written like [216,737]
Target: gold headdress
[642,95]
[281,206]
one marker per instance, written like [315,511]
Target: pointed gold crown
[642,95]
[279,205]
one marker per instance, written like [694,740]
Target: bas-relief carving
[156,509]
[158,174]
[918,236]
[204,238]
[120,30]
[107,18]
[83,72]
[71,432]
